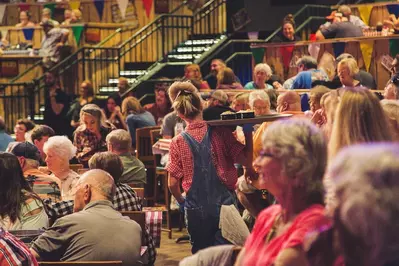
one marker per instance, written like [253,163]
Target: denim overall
[205,197]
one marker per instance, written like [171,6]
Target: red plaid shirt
[224,147]
[13,251]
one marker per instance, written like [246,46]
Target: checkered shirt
[13,251]
[125,200]
[224,151]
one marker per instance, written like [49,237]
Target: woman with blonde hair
[226,79]
[359,118]
[391,109]
[200,147]
[136,116]
[347,69]
[240,101]
[89,137]
[193,72]
[86,96]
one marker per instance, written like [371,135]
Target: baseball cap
[26,150]
[221,96]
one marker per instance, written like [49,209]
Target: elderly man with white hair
[262,73]
[96,231]
[59,150]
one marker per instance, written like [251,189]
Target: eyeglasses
[395,80]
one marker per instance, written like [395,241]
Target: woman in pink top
[291,167]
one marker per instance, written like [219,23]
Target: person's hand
[117,110]
[58,45]
[248,128]
[277,85]
[181,204]
[250,174]
[319,117]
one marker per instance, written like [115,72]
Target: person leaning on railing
[287,34]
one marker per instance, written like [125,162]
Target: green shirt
[133,170]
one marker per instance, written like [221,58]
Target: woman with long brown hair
[136,116]
[20,207]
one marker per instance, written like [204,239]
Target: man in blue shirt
[5,139]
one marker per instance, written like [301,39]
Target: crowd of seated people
[318,187]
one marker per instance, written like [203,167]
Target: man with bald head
[96,231]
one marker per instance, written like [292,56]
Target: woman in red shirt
[202,159]
[291,167]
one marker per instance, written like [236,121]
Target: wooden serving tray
[256,120]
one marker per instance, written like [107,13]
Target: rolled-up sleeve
[175,166]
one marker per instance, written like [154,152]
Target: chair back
[138,217]
[75,167]
[75,263]
[155,135]
[139,191]
[144,154]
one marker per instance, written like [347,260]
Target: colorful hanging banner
[28,33]
[122,7]
[367,47]
[339,48]
[50,6]
[74,5]
[314,49]
[394,47]
[2,11]
[147,6]
[77,32]
[100,8]
[258,54]
[23,7]
[365,11]
[393,9]
[286,53]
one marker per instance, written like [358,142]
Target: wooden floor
[171,253]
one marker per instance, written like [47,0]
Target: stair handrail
[299,12]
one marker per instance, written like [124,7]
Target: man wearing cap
[29,157]
[346,12]
[218,103]
[54,39]
[340,28]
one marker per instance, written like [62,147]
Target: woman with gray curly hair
[59,151]
[366,216]
[291,167]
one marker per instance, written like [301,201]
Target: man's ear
[285,106]
[21,161]
[35,142]
[109,147]
[87,194]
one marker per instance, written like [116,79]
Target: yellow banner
[365,11]
[367,51]
[74,4]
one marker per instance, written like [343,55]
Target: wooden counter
[12,65]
